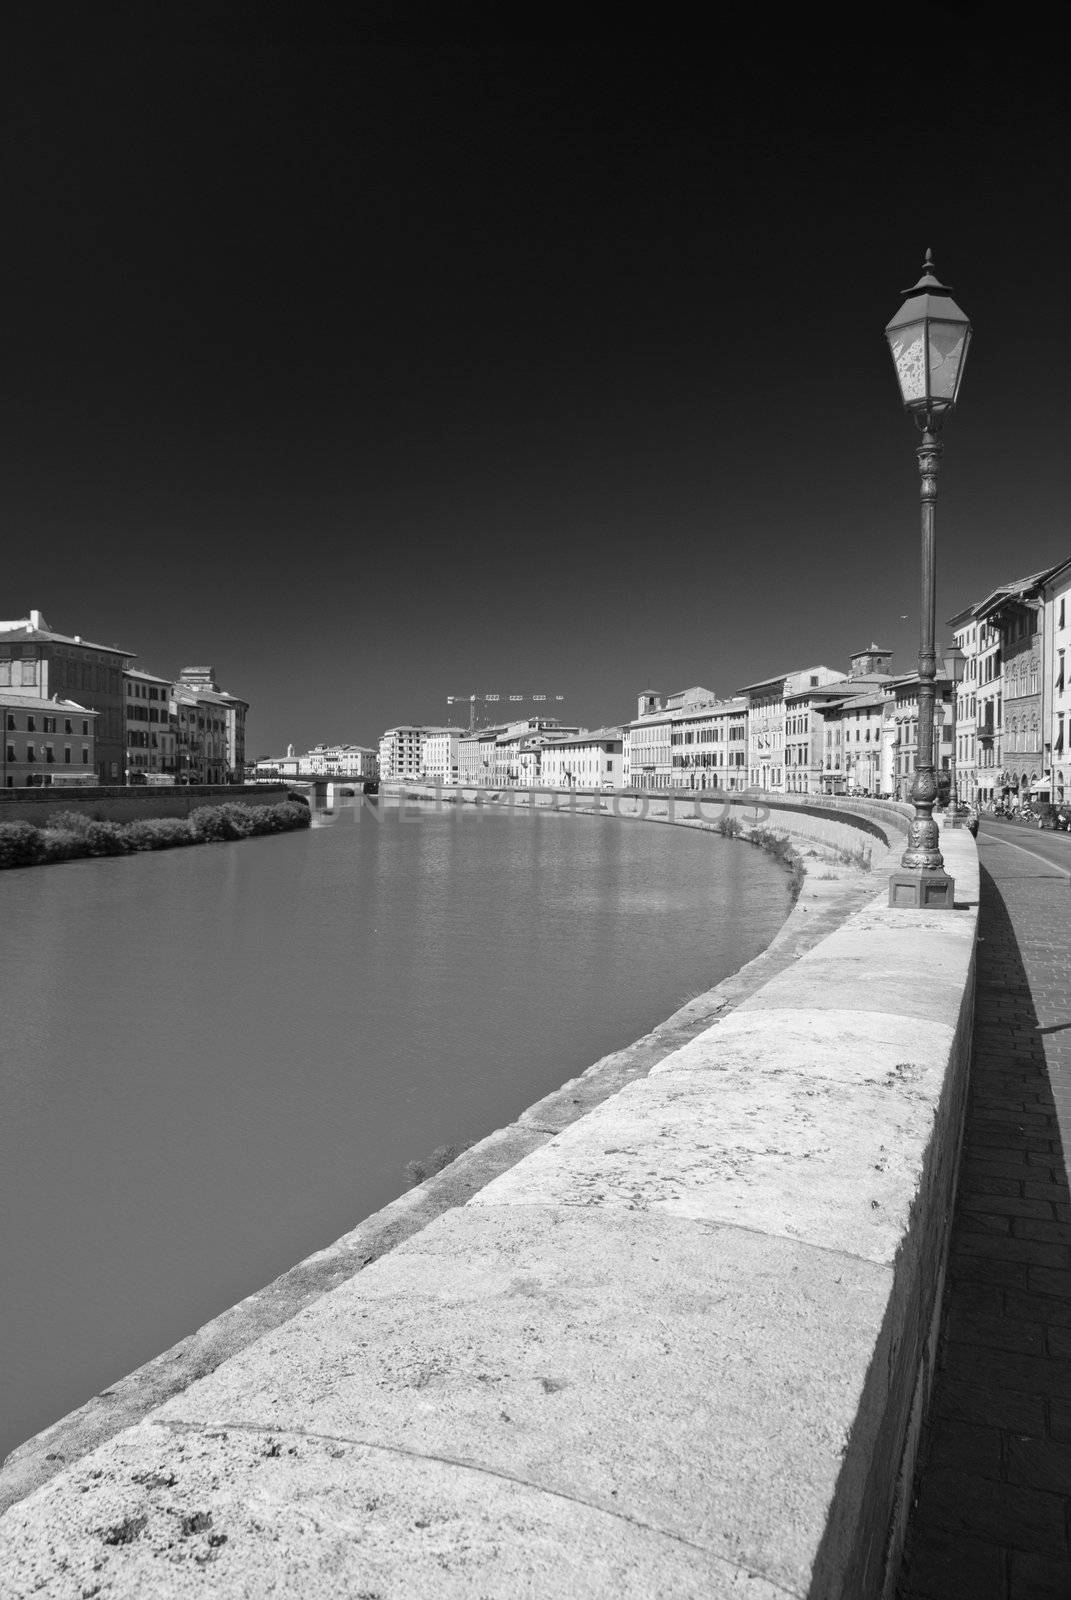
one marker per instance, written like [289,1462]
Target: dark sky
[380,354]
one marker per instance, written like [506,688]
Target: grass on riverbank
[779,846]
[76,835]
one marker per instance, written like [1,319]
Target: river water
[217,1060]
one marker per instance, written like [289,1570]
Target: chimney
[35,619]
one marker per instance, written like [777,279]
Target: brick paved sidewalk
[992,1515]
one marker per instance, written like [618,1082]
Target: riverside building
[220,722]
[965,633]
[690,740]
[585,760]
[1056,659]
[1014,613]
[830,749]
[400,750]
[767,719]
[476,756]
[439,754]
[902,719]
[42,664]
[150,738]
[46,742]
[356,761]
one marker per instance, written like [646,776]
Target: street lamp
[954,665]
[928,339]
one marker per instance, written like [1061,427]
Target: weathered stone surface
[164,1512]
[619,1361]
[812,1132]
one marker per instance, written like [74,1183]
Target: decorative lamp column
[954,665]
[928,339]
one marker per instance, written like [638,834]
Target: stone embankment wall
[679,1345]
[115,803]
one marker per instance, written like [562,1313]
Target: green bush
[171,832]
[69,835]
[105,839]
[730,827]
[238,820]
[20,844]
[63,844]
[207,824]
[71,821]
[156,833]
[292,814]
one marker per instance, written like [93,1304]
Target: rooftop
[34,627]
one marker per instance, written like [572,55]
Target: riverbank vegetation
[75,835]
[780,847]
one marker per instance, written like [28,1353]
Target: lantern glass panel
[948,345]
[908,346]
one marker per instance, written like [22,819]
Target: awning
[1042,786]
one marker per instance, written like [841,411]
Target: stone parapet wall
[681,1346]
[115,803]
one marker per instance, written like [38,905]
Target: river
[217,1060]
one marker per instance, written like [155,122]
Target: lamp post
[928,339]
[954,664]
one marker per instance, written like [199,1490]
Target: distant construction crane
[485,700]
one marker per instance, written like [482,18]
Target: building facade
[149,736]
[589,759]
[768,717]
[46,742]
[37,660]
[690,740]
[440,754]
[356,761]
[221,722]
[1056,664]
[902,720]
[400,751]
[965,633]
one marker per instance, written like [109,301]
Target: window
[31,753]
[50,754]
[67,755]
[85,728]
[67,725]
[85,755]
[10,722]
[31,724]
[11,752]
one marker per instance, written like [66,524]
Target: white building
[767,720]
[476,756]
[1056,592]
[400,751]
[590,759]
[854,739]
[518,750]
[356,761]
[690,740]
[288,766]
[439,755]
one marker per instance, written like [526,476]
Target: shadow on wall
[992,1487]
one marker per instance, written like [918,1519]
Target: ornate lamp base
[923,889]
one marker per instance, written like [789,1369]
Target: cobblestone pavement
[992,1513]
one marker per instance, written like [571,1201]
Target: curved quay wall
[680,1344]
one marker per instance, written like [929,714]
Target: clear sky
[378,354]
